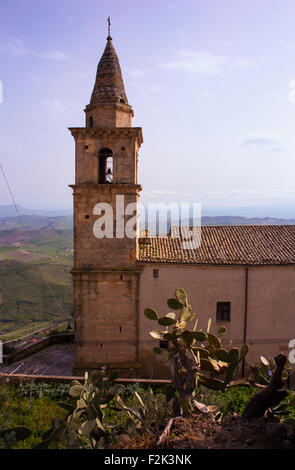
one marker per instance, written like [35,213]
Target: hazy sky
[211,83]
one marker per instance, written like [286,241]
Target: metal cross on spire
[109,26]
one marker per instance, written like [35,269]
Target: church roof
[109,85]
[225,245]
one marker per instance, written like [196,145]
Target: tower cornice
[106,105]
[106,188]
[100,132]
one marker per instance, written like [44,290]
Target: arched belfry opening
[106,171]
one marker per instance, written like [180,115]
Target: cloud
[202,94]
[55,106]
[170,192]
[4,138]
[180,33]
[138,72]
[54,55]
[13,46]
[164,192]
[202,63]
[258,139]
[243,63]
[77,75]
[253,193]
[274,143]
[205,63]
[265,193]
[155,88]
[17,48]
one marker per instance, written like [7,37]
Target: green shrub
[197,357]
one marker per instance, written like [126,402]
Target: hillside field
[36,256]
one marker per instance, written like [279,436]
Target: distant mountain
[270,212]
[281,211]
[10,211]
[236,220]
[31,223]
[225,220]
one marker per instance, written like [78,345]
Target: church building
[242,277]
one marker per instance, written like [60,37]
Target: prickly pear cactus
[199,357]
[10,437]
[262,373]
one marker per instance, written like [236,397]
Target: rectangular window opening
[223,311]
[155,273]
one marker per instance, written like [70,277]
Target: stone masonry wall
[106,306]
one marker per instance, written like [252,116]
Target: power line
[9,189]
[36,266]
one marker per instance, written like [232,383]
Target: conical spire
[109,85]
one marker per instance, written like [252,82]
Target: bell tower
[106,193]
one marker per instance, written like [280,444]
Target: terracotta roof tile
[226,245]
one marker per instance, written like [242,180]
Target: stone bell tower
[106,196]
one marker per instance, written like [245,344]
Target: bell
[109,172]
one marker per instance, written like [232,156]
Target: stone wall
[106,306]
[115,115]
[106,253]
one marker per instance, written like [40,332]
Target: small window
[155,273]
[87,217]
[223,311]
[164,344]
[91,121]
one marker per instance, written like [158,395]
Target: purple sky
[211,83]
